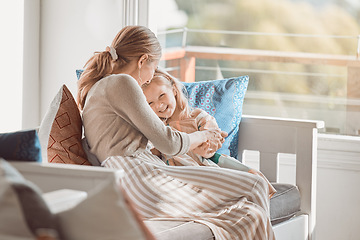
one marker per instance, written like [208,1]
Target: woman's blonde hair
[130,44]
[182,103]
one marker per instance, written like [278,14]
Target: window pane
[301,56]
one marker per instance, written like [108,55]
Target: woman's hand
[207,142]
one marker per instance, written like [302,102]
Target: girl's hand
[204,150]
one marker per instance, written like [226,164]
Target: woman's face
[147,71]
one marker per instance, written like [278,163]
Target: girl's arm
[156,152]
[205,122]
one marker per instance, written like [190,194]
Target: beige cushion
[60,131]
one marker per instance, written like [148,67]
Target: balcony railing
[182,63]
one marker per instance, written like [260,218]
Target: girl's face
[161,98]
[147,71]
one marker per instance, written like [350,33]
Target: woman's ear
[142,60]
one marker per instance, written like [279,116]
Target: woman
[117,118]
[119,123]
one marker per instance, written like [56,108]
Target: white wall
[338,192]
[31,65]
[11,64]
[71,31]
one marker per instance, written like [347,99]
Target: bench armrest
[271,136]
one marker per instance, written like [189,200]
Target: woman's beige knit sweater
[119,122]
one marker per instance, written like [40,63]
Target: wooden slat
[173,53]
[187,69]
[353,83]
[353,92]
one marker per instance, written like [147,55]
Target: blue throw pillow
[20,146]
[223,99]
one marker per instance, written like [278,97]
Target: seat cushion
[285,203]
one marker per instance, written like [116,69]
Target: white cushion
[103,215]
[63,199]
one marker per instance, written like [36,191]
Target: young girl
[166,97]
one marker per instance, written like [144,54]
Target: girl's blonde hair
[130,44]
[182,103]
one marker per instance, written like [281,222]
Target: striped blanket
[233,204]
